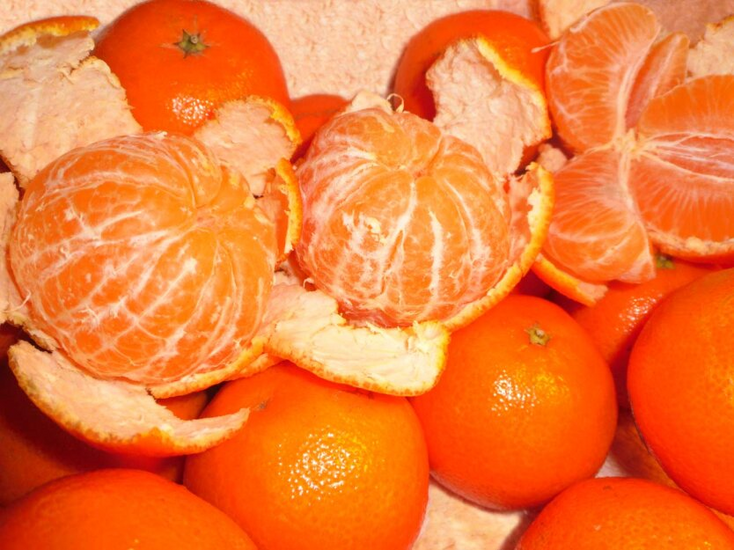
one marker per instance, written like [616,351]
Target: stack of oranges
[143,266]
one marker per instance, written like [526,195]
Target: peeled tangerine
[652,151]
[404,224]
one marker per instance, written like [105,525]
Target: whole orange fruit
[117,509]
[520,41]
[178,60]
[524,408]
[35,450]
[680,379]
[319,465]
[616,320]
[625,514]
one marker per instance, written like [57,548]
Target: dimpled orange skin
[626,514]
[520,41]
[169,90]
[511,423]
[319,465]
[680,386]
[616,320]
[117,508]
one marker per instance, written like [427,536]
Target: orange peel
[712,54]
[569,285]
[556,16]
[306,328]
[251,135]
[99,411]
[484,100]
[51,86]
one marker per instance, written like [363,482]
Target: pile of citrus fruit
[490,309]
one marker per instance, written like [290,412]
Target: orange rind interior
[51,86]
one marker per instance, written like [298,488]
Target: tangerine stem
[191,43]
[538,336]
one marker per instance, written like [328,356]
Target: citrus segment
[711,54]
[596,233]
[592,70]
[484,100]
[143,258]
[51,86]
[306,328]
[99,411]
[683,179]
[664,68]
[251,135]
[531,199]
[558,15]
[401,223]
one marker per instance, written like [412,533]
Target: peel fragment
[712,54]
[54,96]
[558,15]
[111,414]
[584,292]
[305,327]
[483,100]
[251,135]
[452,522]
[281,202]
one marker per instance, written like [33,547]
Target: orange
[679,380]
[143,258]
[311,112]
[179,60]
[625,514]
[35,450]
[646,174]
[525,407]
[318,466]
[117,509]
[519,41]
[616,319]
[401,223]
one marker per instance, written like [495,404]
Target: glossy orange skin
[680,379]
[117,509]
[35,450]
[626,514]
[520,41]
[171,91]
[511,423]
[318,465]
[616,320]
[311,112]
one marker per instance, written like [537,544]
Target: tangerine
[319,465]
[117,509]
[524,408]
[679,381]
[625,514]
[179,60]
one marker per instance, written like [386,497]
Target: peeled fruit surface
[143,258]
[400,222]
